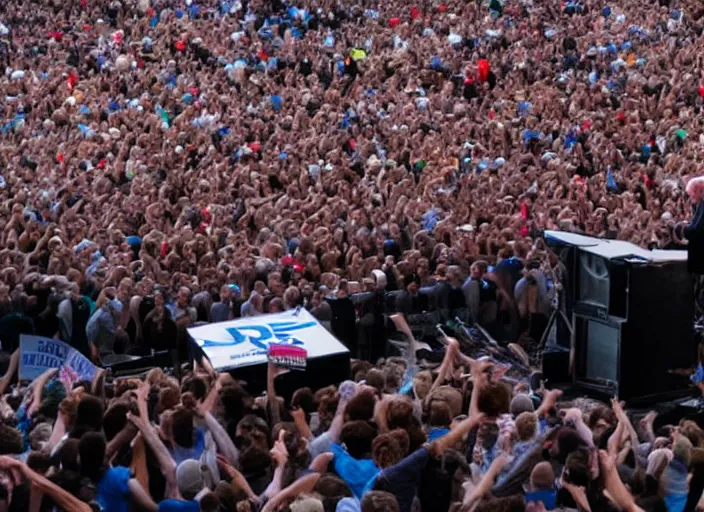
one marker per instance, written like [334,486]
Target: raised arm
[272,403]
[448,363]
[280,455]
[123,437]
[164,458]
[646,425]
[62,498]
[140,497]
[614,443]
[618,492]
[220,435]
[138,466]
[38,387]
[626,424]
[238,480]
[478,383]
[222,439]
[56,434]
[303,485]
[455,435]
[323,442]
[299,419]
[486,483]
[97,387]
[549,401]
[575,416]
[11,370]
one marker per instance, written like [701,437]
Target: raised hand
[279,452]
[138,421]
[298,415]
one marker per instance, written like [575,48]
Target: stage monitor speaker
[632,313]
[556,365]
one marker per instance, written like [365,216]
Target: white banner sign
[38,355]
[245,341]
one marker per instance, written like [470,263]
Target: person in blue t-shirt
[115,489]
[542,486]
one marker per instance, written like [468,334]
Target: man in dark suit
[408,301]
[694,231]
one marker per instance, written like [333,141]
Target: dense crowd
[395,439]
[285,150]
[169,162]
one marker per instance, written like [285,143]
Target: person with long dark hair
[114,488]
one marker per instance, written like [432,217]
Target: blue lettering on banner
[48,347]
[40,354]
[249,353]
[262,335]
[81,365]
[41,360]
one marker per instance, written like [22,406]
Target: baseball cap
[190,477]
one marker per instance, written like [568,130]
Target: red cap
[297,267]
[255,146]
[60,158]
[150,12]
[393,22]
[442,7]
[286,260]
[414,13]
[102,164]
[180,45]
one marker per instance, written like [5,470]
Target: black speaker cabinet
[632,313]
